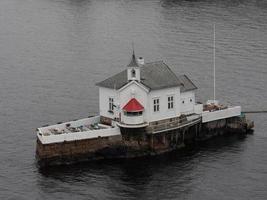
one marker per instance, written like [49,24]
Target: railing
[173,125]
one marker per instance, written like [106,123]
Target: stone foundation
[44,151]
[135,142]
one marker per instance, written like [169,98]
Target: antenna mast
[214,63]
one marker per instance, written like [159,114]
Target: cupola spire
[133,62]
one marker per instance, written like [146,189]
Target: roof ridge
[154,75]
[172,73]
[190,80]
[188,84]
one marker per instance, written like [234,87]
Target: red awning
[133,106]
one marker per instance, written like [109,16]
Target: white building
[146,92]
[143,100]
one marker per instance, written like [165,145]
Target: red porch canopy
[133,106]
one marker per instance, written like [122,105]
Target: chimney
[141,61]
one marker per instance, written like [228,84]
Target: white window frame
[110,104]
[170,102]
[156,104]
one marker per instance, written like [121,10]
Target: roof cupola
[133,69]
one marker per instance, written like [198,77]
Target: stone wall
[74,147]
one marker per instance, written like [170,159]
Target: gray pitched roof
[187,84]
[154,75]
[115,82]
[157,75]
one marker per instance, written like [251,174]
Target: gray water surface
[52,52]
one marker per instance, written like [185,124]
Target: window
[156,105]
[170,102]
[133,73]
[191,100]
[130,114]
[110,104]
[183,101]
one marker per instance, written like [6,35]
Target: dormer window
[133,73]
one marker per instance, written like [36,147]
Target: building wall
[104,95]
[134,91]
[146,99]
[164,112]
[187,106]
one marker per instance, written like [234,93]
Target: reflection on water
[129,177]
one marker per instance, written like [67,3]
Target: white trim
[132,125]
[134,82]
[68,137]
[208,116]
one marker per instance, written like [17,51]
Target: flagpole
[214,63]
